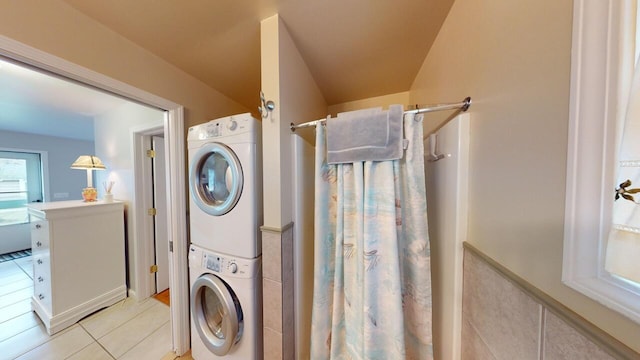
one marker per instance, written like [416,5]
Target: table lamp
[89,163]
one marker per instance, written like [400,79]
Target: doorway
[150,171]
[159,188]
[174,141]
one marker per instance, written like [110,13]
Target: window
[601,76]
[20,183]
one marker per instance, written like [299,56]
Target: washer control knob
[232,125]
[233,267]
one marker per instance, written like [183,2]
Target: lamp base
[89,194]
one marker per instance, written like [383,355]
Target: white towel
[365,135]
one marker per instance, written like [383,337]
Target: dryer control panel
[223,127]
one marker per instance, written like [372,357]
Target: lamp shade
[88,162]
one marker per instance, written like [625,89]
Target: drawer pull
[38,226]
[38,244]
[39,261]
[40,279]
[40,296]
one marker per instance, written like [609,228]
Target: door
[20,183]
[161,239]
[215,179]
[216,312]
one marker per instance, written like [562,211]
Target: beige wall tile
[473,348]
[563,342]
[506,318]
[272,304]
[287,257]
[288,325]
[272,345]
[271,255]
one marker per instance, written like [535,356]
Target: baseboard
[69,317]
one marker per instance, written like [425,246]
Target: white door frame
[175,147]
[144,224]
[144,249]
[162,246]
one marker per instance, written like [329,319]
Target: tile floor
[126,330]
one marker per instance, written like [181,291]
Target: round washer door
[216,314]
[215,179]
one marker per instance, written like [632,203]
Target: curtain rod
[463,105]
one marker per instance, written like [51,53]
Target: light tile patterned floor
[126,330]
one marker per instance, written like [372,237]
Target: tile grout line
[143,339]
[23,270]
[541,331]
[475,329]
[123,324]
[15,301]
[49,339]
[94,341]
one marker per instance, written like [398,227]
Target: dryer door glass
[213,311]
[217,314]
[216,179]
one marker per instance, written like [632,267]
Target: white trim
[598,69]
[174,143]
[143,224]
[177,227]
[71,316]
[448,193]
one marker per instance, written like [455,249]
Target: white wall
[114,146]
[513,59]
[287,81]
[303,230]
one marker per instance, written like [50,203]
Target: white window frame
[600,77]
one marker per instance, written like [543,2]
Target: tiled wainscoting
[277,293]
[504,317]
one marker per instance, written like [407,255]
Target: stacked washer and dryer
[225,184]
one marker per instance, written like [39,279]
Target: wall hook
[433,155]
[267,106]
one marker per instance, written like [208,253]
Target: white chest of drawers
[78,259]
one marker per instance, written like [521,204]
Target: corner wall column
[277,293]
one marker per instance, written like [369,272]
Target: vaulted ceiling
[355,49]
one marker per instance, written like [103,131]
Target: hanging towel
[363,135]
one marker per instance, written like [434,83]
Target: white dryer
[226,306]
[225,183]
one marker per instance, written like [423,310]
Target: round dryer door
[217,314]
[215,179]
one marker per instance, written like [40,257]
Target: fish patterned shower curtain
[372,277]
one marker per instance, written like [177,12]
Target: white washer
[226,306]
[225,183]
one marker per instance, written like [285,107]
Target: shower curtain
[372,280]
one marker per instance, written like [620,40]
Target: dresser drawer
[39,236]
[42,280]
[41,268]
[42,294]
